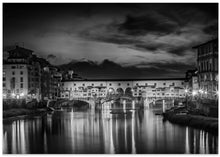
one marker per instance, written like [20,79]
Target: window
[21,72]
[128,84]
[13,73]
[74,84]
[83,84]
[110,84]
[4,85]
[136,84]
[13,67]
[101,84]
[92,84]
[164,84]
[21,79]
[4,79]
[119,84]
[21,85]
[173,84]
[155,84]
[145,84]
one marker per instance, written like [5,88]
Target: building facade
[207,63]
[192,84]
[26,76]
[136,88]
[21,75]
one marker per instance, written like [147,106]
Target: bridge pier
[124,105]
[133,104]
[164,106]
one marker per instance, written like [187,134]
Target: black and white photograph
[110,78]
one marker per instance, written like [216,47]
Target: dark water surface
[83,132]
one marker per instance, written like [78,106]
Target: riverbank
[15,112]
[197,121]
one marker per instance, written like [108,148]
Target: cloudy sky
[145,36]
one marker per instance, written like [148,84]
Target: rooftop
[210,41]
[147,79]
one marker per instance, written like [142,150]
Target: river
[92,132]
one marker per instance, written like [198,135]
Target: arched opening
[128,92]
[110,93]
[120,92]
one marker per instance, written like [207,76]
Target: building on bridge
[136,88]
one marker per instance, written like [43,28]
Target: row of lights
[200,91]
[17,95]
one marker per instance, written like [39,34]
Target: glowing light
[194,93]
[110,90]
[186,90]
[205,92]
[13,94]
[201,91]
[22,94]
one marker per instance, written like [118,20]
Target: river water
[89,132]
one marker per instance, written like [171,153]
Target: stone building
[137,88]
[21,75]
[207,63]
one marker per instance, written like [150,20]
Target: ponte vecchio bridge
[147,90]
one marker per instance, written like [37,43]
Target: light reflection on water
[83,132]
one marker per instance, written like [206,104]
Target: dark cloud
[51,56]
[159,33]
[212,29]
[141,25]
[112,70]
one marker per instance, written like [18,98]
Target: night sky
[140,40]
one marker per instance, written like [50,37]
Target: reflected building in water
[102,132]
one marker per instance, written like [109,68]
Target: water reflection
[70,131]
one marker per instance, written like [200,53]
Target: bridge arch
[129,91]
[111,91]
[120,91]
